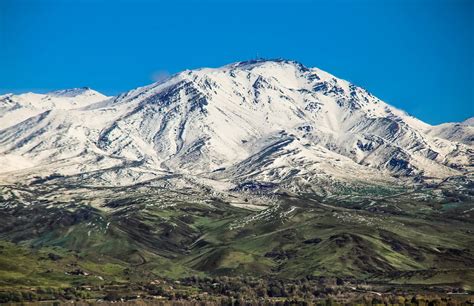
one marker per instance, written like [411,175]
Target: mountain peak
[73,92]
[262,61]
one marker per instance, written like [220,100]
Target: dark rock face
[255,186]
[312,241]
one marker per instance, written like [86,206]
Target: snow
[461,132]
[17,108]
[265,121]
[12,162]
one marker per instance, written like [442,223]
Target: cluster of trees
[41,294]
[257,288]
[310,290]
[241,291]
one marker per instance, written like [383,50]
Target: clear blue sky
[414,54]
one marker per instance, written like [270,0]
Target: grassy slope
[135,237]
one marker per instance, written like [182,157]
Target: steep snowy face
[273,121]
[210,119]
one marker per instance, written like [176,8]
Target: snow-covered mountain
[265,124]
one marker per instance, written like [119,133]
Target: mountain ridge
[263,120]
